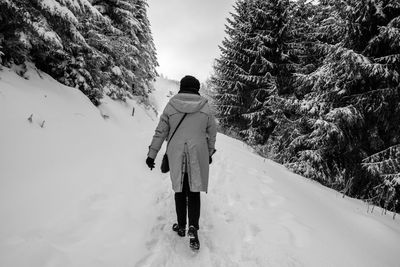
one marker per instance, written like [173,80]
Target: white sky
[187,34]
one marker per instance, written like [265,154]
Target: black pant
[187,200]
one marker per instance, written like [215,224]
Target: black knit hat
[190,83]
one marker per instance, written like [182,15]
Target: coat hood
[188,103]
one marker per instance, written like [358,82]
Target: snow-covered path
[259,214]
[77,193]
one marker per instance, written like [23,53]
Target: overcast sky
[187,34]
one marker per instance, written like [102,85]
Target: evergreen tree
[147,56]
[338,115]
[349,101]
[253,66]
[48,33]
[382,112]
[386,166]
[304,59]
[227,85]
[91,45]
[132,49]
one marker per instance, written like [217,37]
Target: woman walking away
[190,129]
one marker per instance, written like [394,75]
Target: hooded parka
[193,143]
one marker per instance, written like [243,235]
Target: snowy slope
[167,88]
[77,193]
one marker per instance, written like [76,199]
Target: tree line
[99,46]
[315,86]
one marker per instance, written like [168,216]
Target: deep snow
[76,192]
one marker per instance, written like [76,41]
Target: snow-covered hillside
[75,191]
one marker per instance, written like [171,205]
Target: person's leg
[194,208]
[194,216]
[181,207]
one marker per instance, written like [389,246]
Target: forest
[99,46]
[315,86]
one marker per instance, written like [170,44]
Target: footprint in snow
[233,199]
[251,232]
[300,234]
[271,198]
[169,250]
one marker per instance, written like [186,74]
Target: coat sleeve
[212,134]
[160,135]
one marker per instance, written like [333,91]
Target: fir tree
[229,89]
[91,45]
[253,66]
[380,105]
[304,59]
[147,56]
[385,165]
[349,101]
[342,105]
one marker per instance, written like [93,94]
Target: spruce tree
[386,166]
[303,59]
[96,46]
[253,66]
[227,85]
[332,88]
[147,56]
[133,49]
[348,100]
[382,112]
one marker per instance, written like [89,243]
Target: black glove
[150,163]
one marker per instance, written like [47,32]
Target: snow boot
[194,242]
[181,231]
